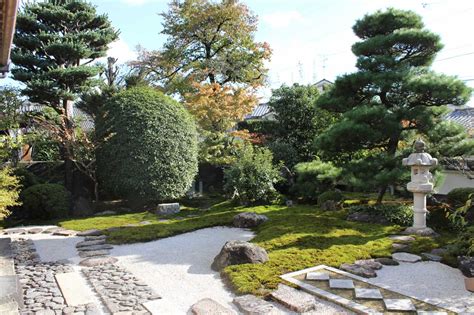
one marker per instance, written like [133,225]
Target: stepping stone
[51,230]
[387,261]
[65,233]
[402,238]
[35,230]
[369,263]
[95,238]
[98,261]
[74,289]
[293,299]
[358,270]
[369,294]
[210,307]
[93,232]
[431,313]
[15,231]
[95,247]
[399,305]
[341,284]
[94,253]
[317,276]
[406,257]
[432,257]
[400,247]
[252,305]
[90,243]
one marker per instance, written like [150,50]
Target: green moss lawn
[295,238]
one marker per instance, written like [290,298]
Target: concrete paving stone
[317,276]
[293,299]
[341,284]
[406,257]
[399,305]
[369,294]
[74,289]
[252,305]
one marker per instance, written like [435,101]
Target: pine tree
[393,95]
[55,43]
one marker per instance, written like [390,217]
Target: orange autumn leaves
[218,108]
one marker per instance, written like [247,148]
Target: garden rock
[248,220]
[65,232]
[252,305]
[329,205]
[90,243]
[94,253]
[294,299]
[367,218]
[421,232]
[167,208]
[439,251]
[93,232]
[402,238]
[106,212]
[400,247]
[432,257]
[387,261]
[466,265]
[406,257]
[210,307]
[359,270]
[98,261]
[369,263]
[239,252]
[96,247]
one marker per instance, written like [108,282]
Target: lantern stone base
[425,231]
[469,283]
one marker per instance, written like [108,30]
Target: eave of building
[8,13]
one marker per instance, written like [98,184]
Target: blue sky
[311,39]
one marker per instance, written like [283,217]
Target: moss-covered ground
[295,237]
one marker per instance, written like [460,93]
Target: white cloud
[120,50]
[280,19]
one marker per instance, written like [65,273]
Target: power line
[456,56]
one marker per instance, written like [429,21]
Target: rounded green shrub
[459,196]
[45,201]
[149,152]
[330,195]
[251,178]
[401,214]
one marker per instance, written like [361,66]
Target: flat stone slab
[90,243]
[294,299]
[369,294]
[93,232]
[167,208]
[98,261]
[95,238]
[95,247]
[432,257]
[399,247]
[252,305]
[65,233]
[74,289]
[317,276]
[431,313]
[359,270]
[341,284]
[210,307]
[35,230]
[399,305]
[406,257]
[94,253]
[402,238]
[387,261]
[11,290]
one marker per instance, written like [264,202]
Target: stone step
[210,307]
[90,243]
[74,289]
[95,247]
[10,291]
[94,253]
[93,232]
[95,238]
[293,299]
[252,305]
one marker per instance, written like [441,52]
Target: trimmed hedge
[45,201]
[400,214]
[459,196]
[150,148]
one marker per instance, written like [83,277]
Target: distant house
[264,112]
[456,178]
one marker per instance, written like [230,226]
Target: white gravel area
[438,283]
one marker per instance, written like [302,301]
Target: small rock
[98,261]
[248,220]
[432,257]
[93,232]
[210,307]
[387,261]
[239,252]
[95,247]
[406,257]
[402,238]
[107,212]
[399,247]
[369,263]
[359,270]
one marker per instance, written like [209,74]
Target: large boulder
[239,252]
[248,219]
[167,208]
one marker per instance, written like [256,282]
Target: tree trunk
[391,150]
[68,152]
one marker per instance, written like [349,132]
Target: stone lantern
[420,185]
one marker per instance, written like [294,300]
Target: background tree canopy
[391,97]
